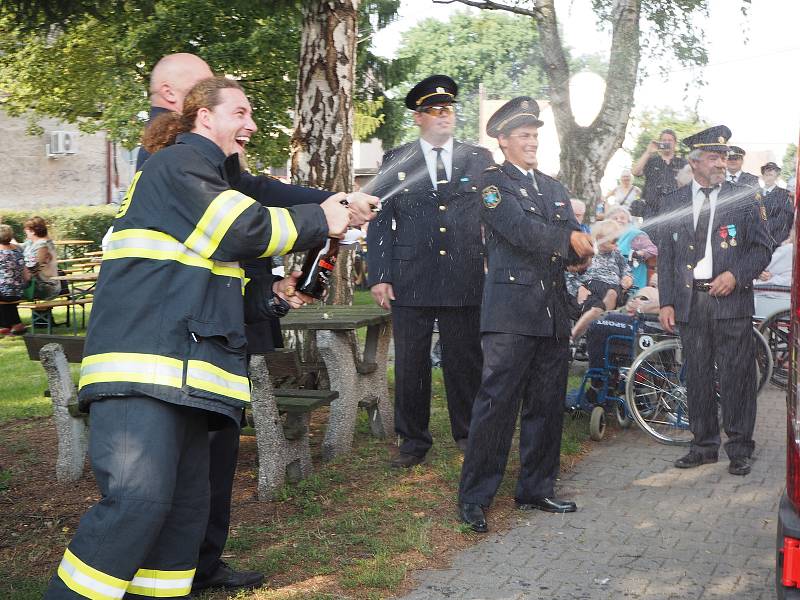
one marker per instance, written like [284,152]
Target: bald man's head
[173,77]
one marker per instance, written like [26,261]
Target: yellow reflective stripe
[126,201]
[205,376]
[88,581]
[156,245]
[216,220]
[161,584]
[133,367]
[284,233]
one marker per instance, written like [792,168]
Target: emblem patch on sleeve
[491,196]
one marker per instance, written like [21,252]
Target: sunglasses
[438,111]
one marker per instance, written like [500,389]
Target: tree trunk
[323,132]
[585,151]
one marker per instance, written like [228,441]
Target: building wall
[30,180]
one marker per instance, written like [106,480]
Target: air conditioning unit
[62,143]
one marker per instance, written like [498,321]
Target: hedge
[66,222]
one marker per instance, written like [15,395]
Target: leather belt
[702,285]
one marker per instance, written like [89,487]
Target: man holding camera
[660,167]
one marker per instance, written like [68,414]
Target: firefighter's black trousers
[150,460]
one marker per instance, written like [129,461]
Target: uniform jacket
[779,207]
[426,242]
[746,260]
[528,247]
[747,179]
[167,320]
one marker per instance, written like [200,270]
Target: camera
[664,145]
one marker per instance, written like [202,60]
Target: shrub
[66,222]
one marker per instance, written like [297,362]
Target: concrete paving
[643,529]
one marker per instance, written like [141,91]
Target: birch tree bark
[322,142]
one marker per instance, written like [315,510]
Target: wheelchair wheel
[775,330]
[597,423]
[656,393]
[764,360]
[623,420]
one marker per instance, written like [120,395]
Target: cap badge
[524,104]
[440,90]
[721,140]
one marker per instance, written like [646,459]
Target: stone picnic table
[356,374]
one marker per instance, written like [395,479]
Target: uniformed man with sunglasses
[425,262]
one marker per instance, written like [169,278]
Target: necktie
[732,178]
[531,179]
[701,231]
[441,173]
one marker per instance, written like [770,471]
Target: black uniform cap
[522,110]
[770,166]
[713,139]
[735,151]
[436,89]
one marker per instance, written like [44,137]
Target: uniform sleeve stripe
[216,221]
[205,376]
[138,368]
[284,232]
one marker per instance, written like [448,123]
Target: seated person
[634,245]
[621,322]
[600,286]
[41,259]
[579,209]
[13,278]
[777,274]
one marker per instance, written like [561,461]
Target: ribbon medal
[723,233]
[732,233]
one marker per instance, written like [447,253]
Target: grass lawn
[354,529]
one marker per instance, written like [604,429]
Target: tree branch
[491,5]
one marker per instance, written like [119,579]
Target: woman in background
[13,278]
[41,259]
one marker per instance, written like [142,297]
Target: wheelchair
[641,379]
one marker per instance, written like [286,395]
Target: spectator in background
[13,277]
[778,205]
[660,167]
[625,194]
[41,259]
[634,244]
[579,208]
[734,172]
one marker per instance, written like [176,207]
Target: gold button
[687,285]
[511,278]
[688,266]
[442,229]
[442,252]
[442,207]
[691,247]
[553,259]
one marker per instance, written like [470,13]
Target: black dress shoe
[740,466]
[552,505]
[225,577]
[462,444]
[472,515]
[694,459]
[406,461]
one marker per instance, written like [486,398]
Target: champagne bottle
[317,269]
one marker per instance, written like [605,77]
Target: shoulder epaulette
[491,168]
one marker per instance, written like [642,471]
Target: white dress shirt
[526,172]
[704,269]
[430,158]
[734,177]
[767,190]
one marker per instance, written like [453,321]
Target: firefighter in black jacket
[165,350]
[531,237]
[778,205]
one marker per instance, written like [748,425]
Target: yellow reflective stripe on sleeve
[205,376]
[215,222]
[126,201]
[156,245]
[88,581]
[161,584]
[134,367]
[284,233]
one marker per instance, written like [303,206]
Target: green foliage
[500,51]
[368,117]
[652,123]
[78,222]
[789,165]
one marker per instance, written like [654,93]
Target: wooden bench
[281,416]
[42,312]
